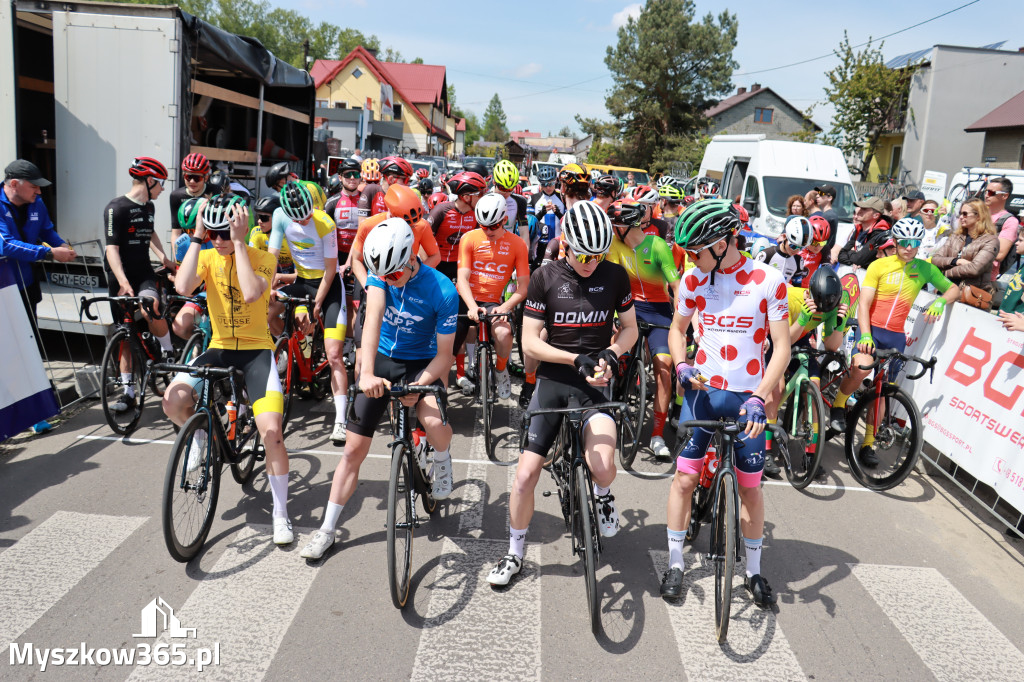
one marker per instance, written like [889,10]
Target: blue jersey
[415,314]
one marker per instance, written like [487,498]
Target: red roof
[730,102]
[1009,114]
[522,133]
[423,83]
[460,125]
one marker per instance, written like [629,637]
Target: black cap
[25,170]
[826,189]
[915,195]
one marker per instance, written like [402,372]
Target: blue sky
[529,52]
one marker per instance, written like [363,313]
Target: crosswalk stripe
[47,562]
[757,648]
[245,604]
[950,635]
[471,511]
[465,615]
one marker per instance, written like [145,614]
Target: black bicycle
[199,340]
[637,391]
[222,430]
[502,420]
[568,468]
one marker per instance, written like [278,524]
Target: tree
[869,99]
[494,128]
[565,132]
[667,70]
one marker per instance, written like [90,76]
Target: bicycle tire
[249,435]
[320,386]
[190,497]
[286,374]
[484,365]
[894,466]
[634,390]
[588,545]
[723,546]
[399,540]
[193,348]
[807,433]
[110,376]
[700,500]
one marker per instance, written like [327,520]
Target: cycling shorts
[543,428]
[262,382]
[333,308]
[146,288]
[655,313]
[367,411]
[715,404]
[464,323]
[195,308]
[890,340]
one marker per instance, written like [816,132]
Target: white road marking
[952,637]
[466,614]
[756,649]
[43,566]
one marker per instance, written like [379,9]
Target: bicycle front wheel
[804,419]
[401,514]
[882,448]
[112,385]
[634,394]
[193,348]
[724,532]
[247,440]
[287,375]
[487,399]
[191,486]
[588,545]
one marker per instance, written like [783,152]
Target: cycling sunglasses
[584,258]
[548,184]
[192,177]
[351,174]
[909,243]
[224,234]
[821,243]
[263,217]
[397,275]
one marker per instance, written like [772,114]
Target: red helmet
[820,228]
[422,173]
[435,199]
[644,194]
[144,166]
[395,165]
[466,183]
[744,214]
[196,163]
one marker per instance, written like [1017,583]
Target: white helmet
[491,210]
[799,232]
[587,229]
[388,247]
[908,228]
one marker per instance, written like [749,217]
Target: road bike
[222,430]
[805,420]
[199,341]
[501,417]
[301,359]
[637,391]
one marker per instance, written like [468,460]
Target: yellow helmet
[505,174]
[317,192]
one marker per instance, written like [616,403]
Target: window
[763,115]
[398,111]
[341,105]
[322,103]
[357,73]
[894,162]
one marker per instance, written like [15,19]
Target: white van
[762,174]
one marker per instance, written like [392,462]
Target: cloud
[620,17]
[527,70]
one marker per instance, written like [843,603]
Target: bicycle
[891,187]
[301,360]
[501,418]
[719,498]
[141,350]
[410,478]
[638,382]
[805,420]
[568,467]
[199,341]
[192,484]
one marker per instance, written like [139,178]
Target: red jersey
[449,224]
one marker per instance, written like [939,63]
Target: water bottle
[710,467]
[232,418]
[419,446]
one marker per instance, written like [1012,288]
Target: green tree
[869,99]
[565,132]
[667,68]
[687,150]
[494,128]
[473,131]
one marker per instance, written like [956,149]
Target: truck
[85,87]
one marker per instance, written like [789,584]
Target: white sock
[126,381]
[517,541]
[279,490]
[165,341]
[753,548]
[676,538]
[340,408]
[601,492]
[442,456]
[331,516]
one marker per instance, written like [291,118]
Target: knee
[684,484]
[526,479]
[752,495]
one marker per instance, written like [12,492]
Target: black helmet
[219,183]
[826,290]
[606,184]
[277,173]
[350,164]
[476,167]
[267,204]
[333,185]
[425,186]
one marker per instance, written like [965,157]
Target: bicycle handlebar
[884,354]
[295,300]
[733,427]
[203,371]
[399,390]
[85,303]
[198,300]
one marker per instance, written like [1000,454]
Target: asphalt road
[916,583]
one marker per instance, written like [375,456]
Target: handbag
[976,296]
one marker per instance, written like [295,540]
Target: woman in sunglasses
[966,256]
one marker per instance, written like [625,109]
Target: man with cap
[27,234]
[860,249]
[915,202]
[826,195]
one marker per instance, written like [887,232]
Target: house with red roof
[1004,134]
[758,110]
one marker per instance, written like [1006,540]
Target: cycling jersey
[449,224]
[732,320]
[344,208]
[831,320]
[237,325]
[896,285]
[371,201]
[415,314]
[658,228]
[650,267]
[787,265]
[178,197]
[550,208]
[492,262]
[182,243]
[258,239]
[129,226]
[421,235]
[311,243]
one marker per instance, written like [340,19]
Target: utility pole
[305,54]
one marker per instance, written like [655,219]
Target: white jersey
[732,320]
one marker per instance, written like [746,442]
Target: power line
[544,92]
[870,40]
[516,80]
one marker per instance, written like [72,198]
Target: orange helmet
[371,170]
[404,203]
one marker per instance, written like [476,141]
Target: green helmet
[505,174]
[705,222]
[187,213]
[217,210]
[296,201]
[671,192]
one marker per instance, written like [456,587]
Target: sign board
[934,185]
[74,280]
[386,99]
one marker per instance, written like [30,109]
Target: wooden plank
[225,95]
[233,155]
[36,84]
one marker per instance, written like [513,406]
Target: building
[758,110]
[460,138]
[414,95]
[1003,128]
[953,87]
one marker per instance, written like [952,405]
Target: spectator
[823,203]
[358,155]
[898,210]
[934,233]
[630,179]
[914,202]
[1011,311]
[795,206]
[966,256]
[810,201]
[859,251]
[1006,224]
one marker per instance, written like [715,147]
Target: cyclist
[671,201]
[343,206]
[259,238]
[487,258]
[737,303]
[506,178]
[544,213]
[606,188]
[890,286]
[238,283]
[785,256]
[654,279]
[411,310]
[394,170]
[195,169]
[369,173]
[313,239]
[277,175]
[814,254]
[575,361]
[334,184]
[130,236]
[575,185]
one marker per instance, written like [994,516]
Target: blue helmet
[546,173]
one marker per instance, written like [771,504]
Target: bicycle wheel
[113,386]
[634,394]
[804,418]
[190,497]
[320,386]
[723,550]
[400,526]
[193,348]
[896,441]
[247,440]
[287,376]
[700,501]
[588,545]
[484,364]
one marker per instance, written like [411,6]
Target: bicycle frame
[295,337]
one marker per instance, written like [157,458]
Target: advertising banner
[933,185]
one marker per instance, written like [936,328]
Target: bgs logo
[727,321]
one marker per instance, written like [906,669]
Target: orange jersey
[421,234]
[491,263]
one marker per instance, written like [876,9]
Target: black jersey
[129,226]
[178,197]
[371,201]
[578,312]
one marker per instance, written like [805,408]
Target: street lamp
[305,54]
